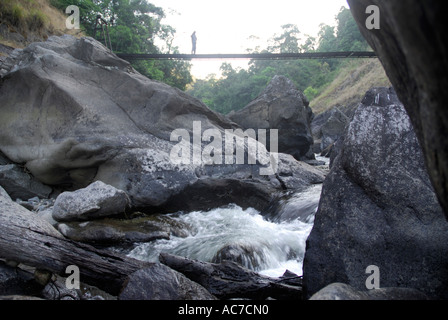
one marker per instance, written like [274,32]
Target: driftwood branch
[26,238]
[229,280]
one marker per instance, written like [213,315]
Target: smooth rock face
[159,282]
[74,113]
[280,106]
[412,45]
[378,208]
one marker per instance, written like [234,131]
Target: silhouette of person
[193,42]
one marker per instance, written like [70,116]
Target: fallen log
[228,279]
[26,238]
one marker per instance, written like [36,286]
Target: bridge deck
[258,56]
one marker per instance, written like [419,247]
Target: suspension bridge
[255,56]
[101,25]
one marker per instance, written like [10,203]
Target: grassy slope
[33,19]
[351,84]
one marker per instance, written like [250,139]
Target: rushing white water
[269,247]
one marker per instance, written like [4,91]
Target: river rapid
[269,244]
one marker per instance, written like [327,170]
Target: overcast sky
[227,26]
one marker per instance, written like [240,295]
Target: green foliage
[23,15]
[134,25]
[288,41]
[237,88]
[348,35]
[310,93]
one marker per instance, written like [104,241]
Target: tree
[310,93]
[288,41]
[133,27]
[327,39]
[348,35]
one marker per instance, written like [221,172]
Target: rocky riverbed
[88,180]
[92,167]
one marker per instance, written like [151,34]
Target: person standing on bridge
[193,42]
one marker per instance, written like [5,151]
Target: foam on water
[267,247]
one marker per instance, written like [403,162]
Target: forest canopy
[133,27]
[237,87]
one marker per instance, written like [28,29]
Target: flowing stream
[268,245]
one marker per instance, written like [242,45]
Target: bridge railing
[257,56]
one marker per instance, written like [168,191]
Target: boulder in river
[159,282]
[378,208]
[245,255]
[280,106]
[95,201]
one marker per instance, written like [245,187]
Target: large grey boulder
[378,208]
[74,113]
[280,106]
[95,201]
[412,45]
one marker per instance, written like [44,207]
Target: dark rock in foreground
[378,208]
[412,45]
[158,282]
[230,280]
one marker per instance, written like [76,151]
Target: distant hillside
[26,21]
[350,85]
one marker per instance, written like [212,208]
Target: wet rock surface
[378,207]
[412,44]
